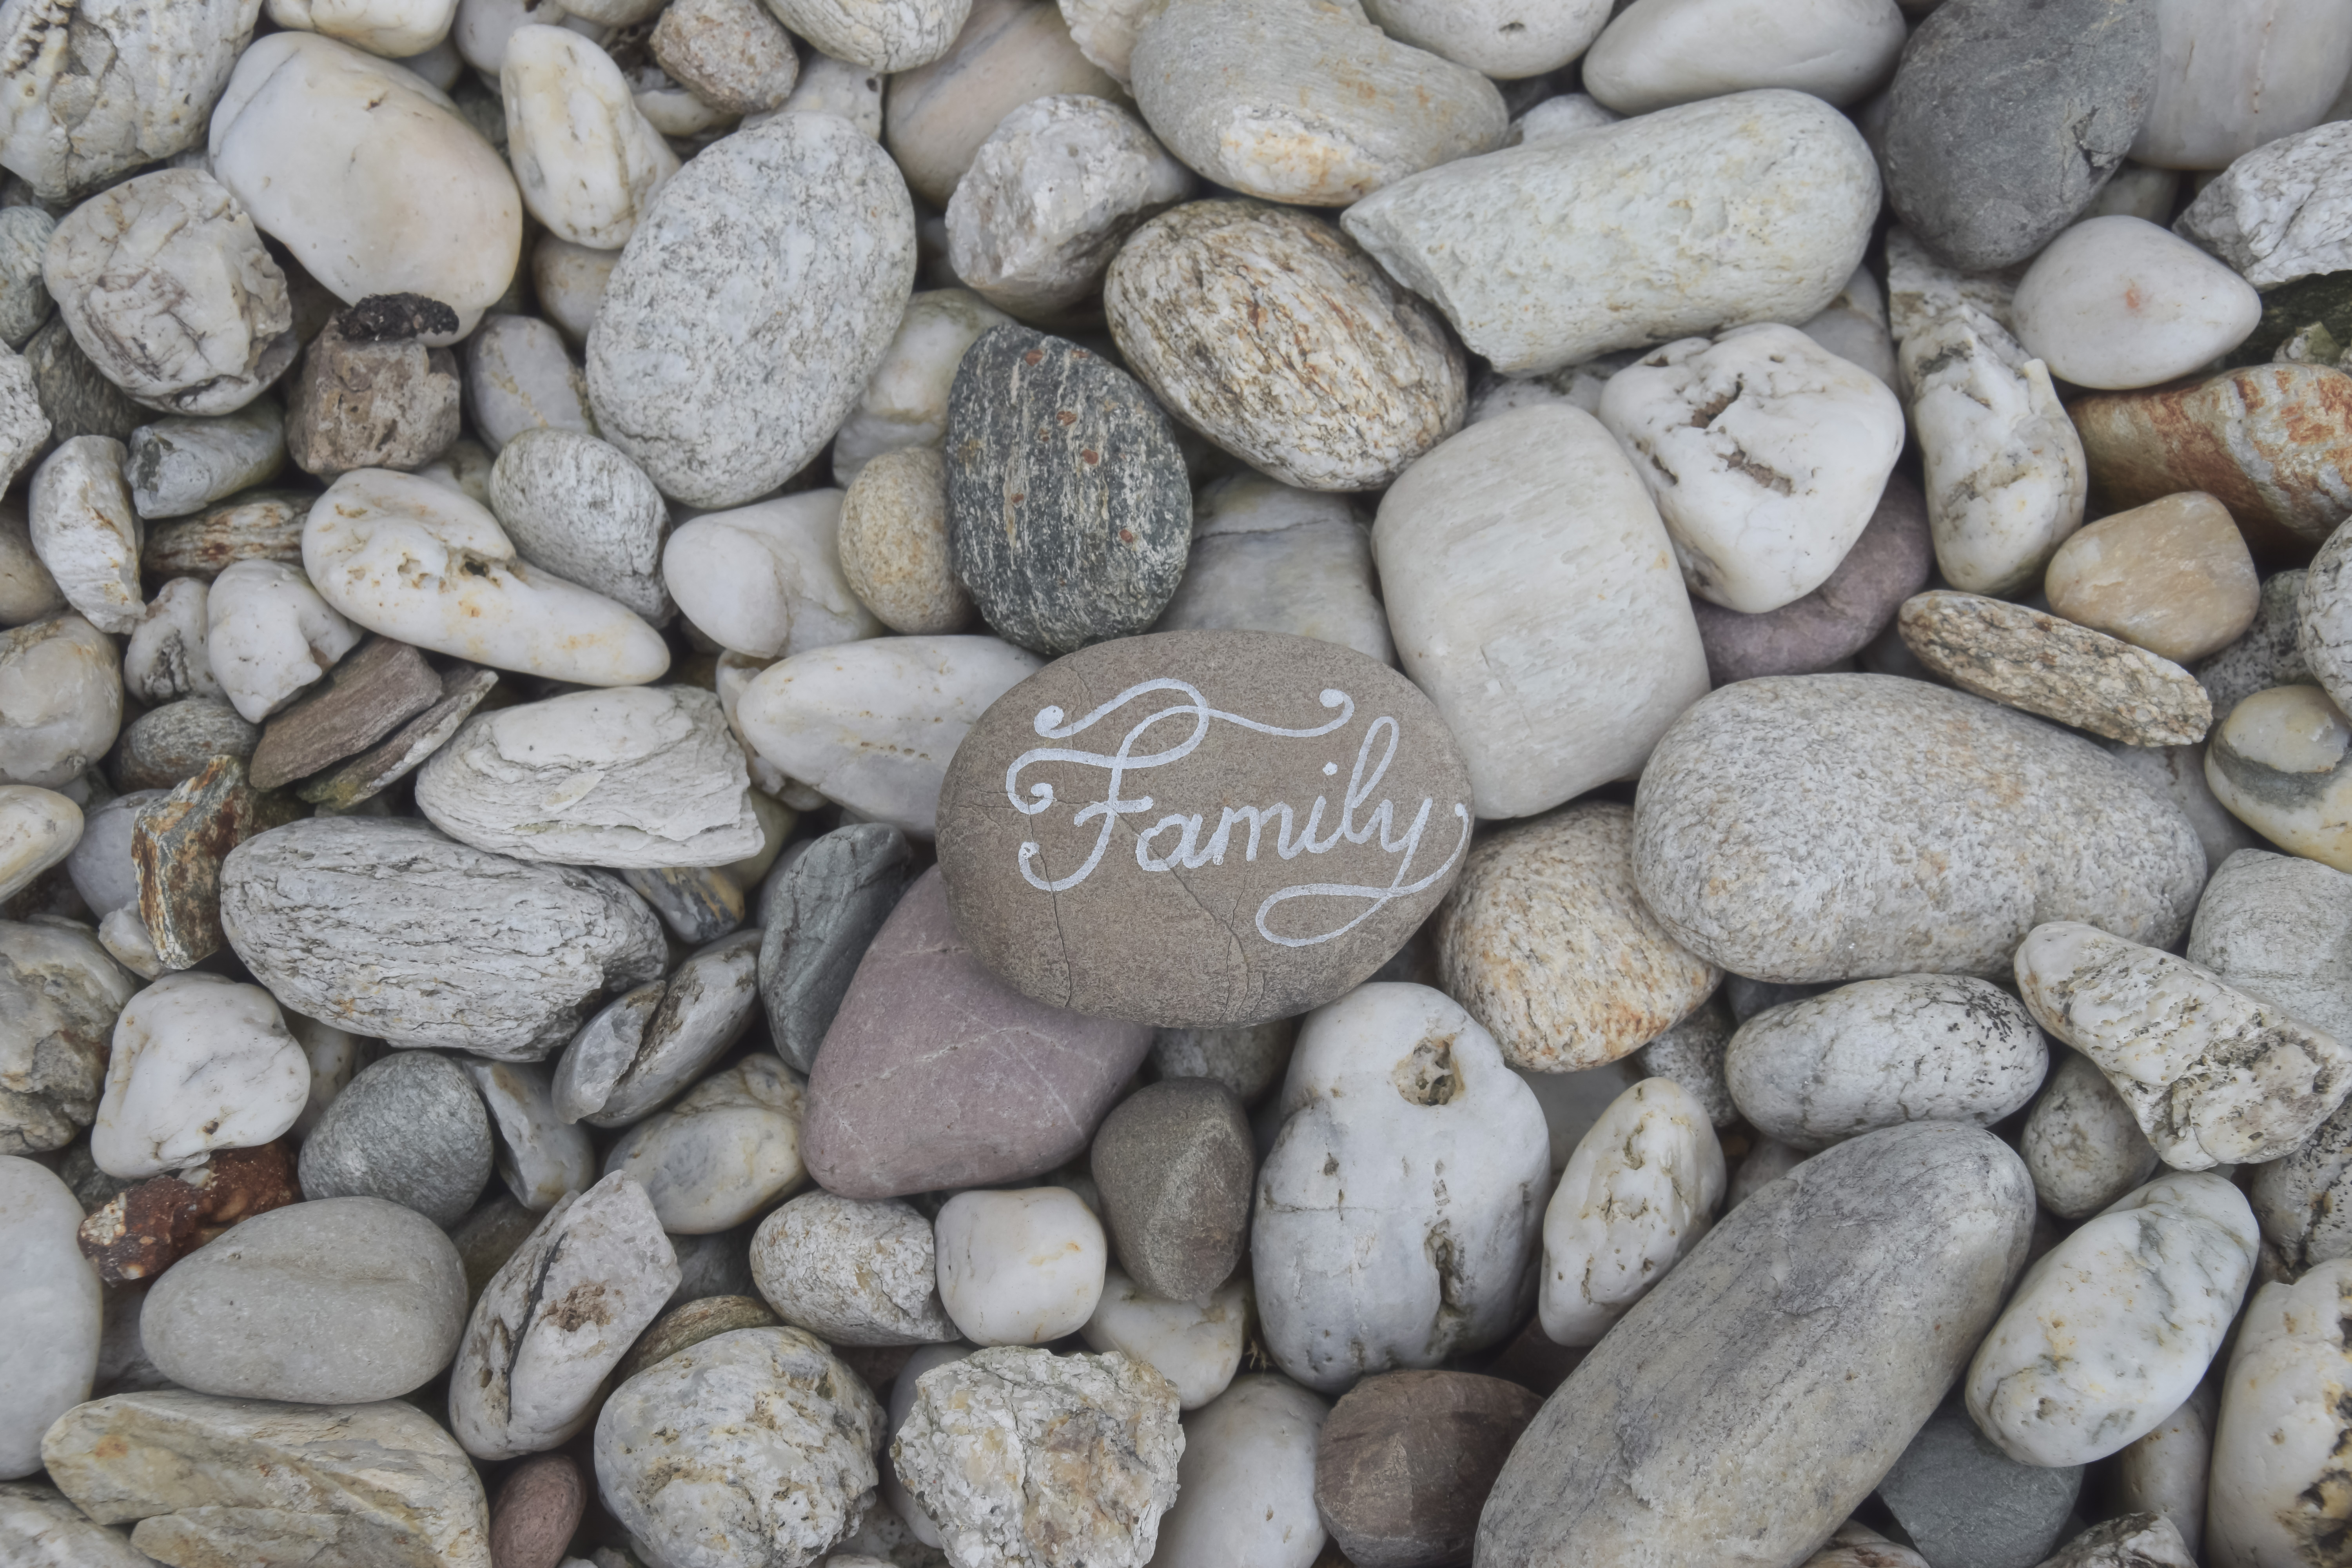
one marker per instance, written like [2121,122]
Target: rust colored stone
[2272,443]
[368,693]
[145,1230]
[241,1183]
[176,849]
[537,1512]
[1406,1459]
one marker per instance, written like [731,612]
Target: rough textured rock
[536,1512]
[1546,943]
[1546,262]
[167,745]
[179,467]
[2277,214]
[265,524]
[2135,1541]
[66,392]
[1405,1460]
[2003,125]
[731,54]
[2323,609]
[337,1300]
[1174,1164]
[2027,659]
[894,543]
[1109,1424]
[2082,1143]
[646,1047]
[575,506]
[1068,511]
[370,395]
[896,36]
[716,415]
[177,844]
[817,922]
[84,531]
[1268,332]
[1243,934]
[1641,1189]
[754,1447]
[2212,1075]
[367,695]
[1826,1315]
[728,1150]
[1965,1502]
[2279,928]
[202,1479]
[390,930]
[688,1324]
[855,1273]
[268,634]
[931,1076]
[463,686]
[1307,104]
[556,1317]
[59,995]
[38,1523]
[166,660]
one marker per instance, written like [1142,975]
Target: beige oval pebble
[2173,577]
[894,543]
[2036,662]
[1009,52]
[38,828]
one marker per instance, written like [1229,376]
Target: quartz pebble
[1674,51]
[2165,1471]
[1245,1484]
[569,281]
[60,998]
[2119,302]
[1174,1164]
[894,543]
[576,507]
[766,580]
[2279,1430]
[540,1157]
[1405,1460]
[519,377]
[51,1298]
[199,1062]
[268,635]
[2173,577]
[1641,1189]
[2082,1143]
[1019,1267]
[166,658]
[855,1273]
[86,533]
[2025,659]
[1196,1345]
[586,162]
[2278,765]
[728,1149]
[2212,1075]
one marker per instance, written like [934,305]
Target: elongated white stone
[765,579]
[38,828]
[2231,77]
[1641,1189]
[51,1298]
[394,29]
[1658,53]
[200,1063]
[85,532]
[2278,1450]
[2111,1327]
[586,162]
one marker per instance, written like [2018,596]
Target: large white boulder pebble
[1245,1486]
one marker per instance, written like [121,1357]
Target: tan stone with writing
[1201,828]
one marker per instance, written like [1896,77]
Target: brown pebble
[1406,1460]
[537,1509]
[381,685]
[146,1228]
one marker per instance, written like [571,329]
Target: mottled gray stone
[2279,928]
[1842,827]
[2082,1144]
[703,1010]
[521,376]
[387,929]
[856,1273]
[168,745]
[74,394]
[739,328]
[24,301]
[336,1300]
[1174,1163]
[576,506]
[59,995]
[177,467]
[2267,654]
[1068,511]
[1966,1504]
[254,525]
[411,1128]
[1691,1054]
[1826,1316]
[733,55]
[2004,120]
[822,913]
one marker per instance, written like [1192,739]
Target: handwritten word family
[1181,840]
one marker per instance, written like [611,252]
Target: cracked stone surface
[2026,659]
[2280,212]
[1642,1186]
[856,1273]
[59,995]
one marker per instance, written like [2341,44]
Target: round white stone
[1245,1486]
[1019,1267]
[587,163]
[392,29]
[268,634]
[1195,1345]
[765,579]
[2117,302]
[1641,1189]
[86,533]
[200,1063]
[2278,1450]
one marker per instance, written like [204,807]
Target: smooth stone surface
[1266,557]
[1667,52]
[337,1300]
[1107,1421]
[576,507]
[2212,1075]
[1546,943]
[2275,1449]
[726,1152]
[1269,333]
[1398,1096]
[1888,563]
[199,1062]
[586,162]
[934,1074]
[714,415]
[766,580]
[100,864]
[1764,453]
[853,1273]
[2272,443]
[823,912]
[1878,1053]
[2002,125]
[1968,1505]
[2005,470]
[2173,577]
[2275,215]
[1545,263]
[1238,941]
[1195,1345]
[519,377]
[2277,764]
[1019,1267]
[896,36]
[1405,1460]
[84,531]
[905,400]
[1795,1328]
[1642,1186]
[2117,302]
[1245,1484]
[755,1446]
[60,700]
[536,1512]
[569,280]
[410,1129]
[52,1300]
[59,997]
[1305,104]
[370,395]
[328,911]
[2112,1328]
[332,152]
[1900,780]
[640,776]
[1533,594]
[1174,1164]
[555,1318]
[2232,80]
[2082,1143]
[540,1157]
[203,1479]
[1065,532]
[402,556]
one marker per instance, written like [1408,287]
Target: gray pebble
[519,376]
[181,466]
[717,1263]
[75,394]
[575,506]
[168,745]
[1266,557]
[1966,1504]
[1690,1053]
[733,55]
[1174,1163]
[824,910]
[24,301]
[410,1129]
[2266,653]
[703,1010]
[1247,1058]
[100,864]
[2081,1142]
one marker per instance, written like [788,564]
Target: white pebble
[1019,1267]
[2117,302]
[1641,1189]
[268,634]
[586,160]
[199,1063]
[765,579]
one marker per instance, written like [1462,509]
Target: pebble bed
[1228,784]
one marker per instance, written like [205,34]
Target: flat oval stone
[536,1512]
[1174,1164]
[337,1301]
[1674,51]
[1260,731]
[2003,125]
[2173,577]
[2116,301]
[1405,1460]
[799,227]
[588,164]
[329,911]
[1962,1500]
[1246,1482]
[1799,1326]
[933,1073]
[894,543]
[410,1129]
[55,1312]
[1268,332]
[1541,258]
[703,1010]
[1906,829]
[169,745]
[1068,510]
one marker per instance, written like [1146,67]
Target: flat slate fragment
[177,846]
[463,686]
[366,694]
[2025,659]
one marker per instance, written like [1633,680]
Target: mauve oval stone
[537,1508]
[937,1074]
[1405,1462]
[1891,561]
